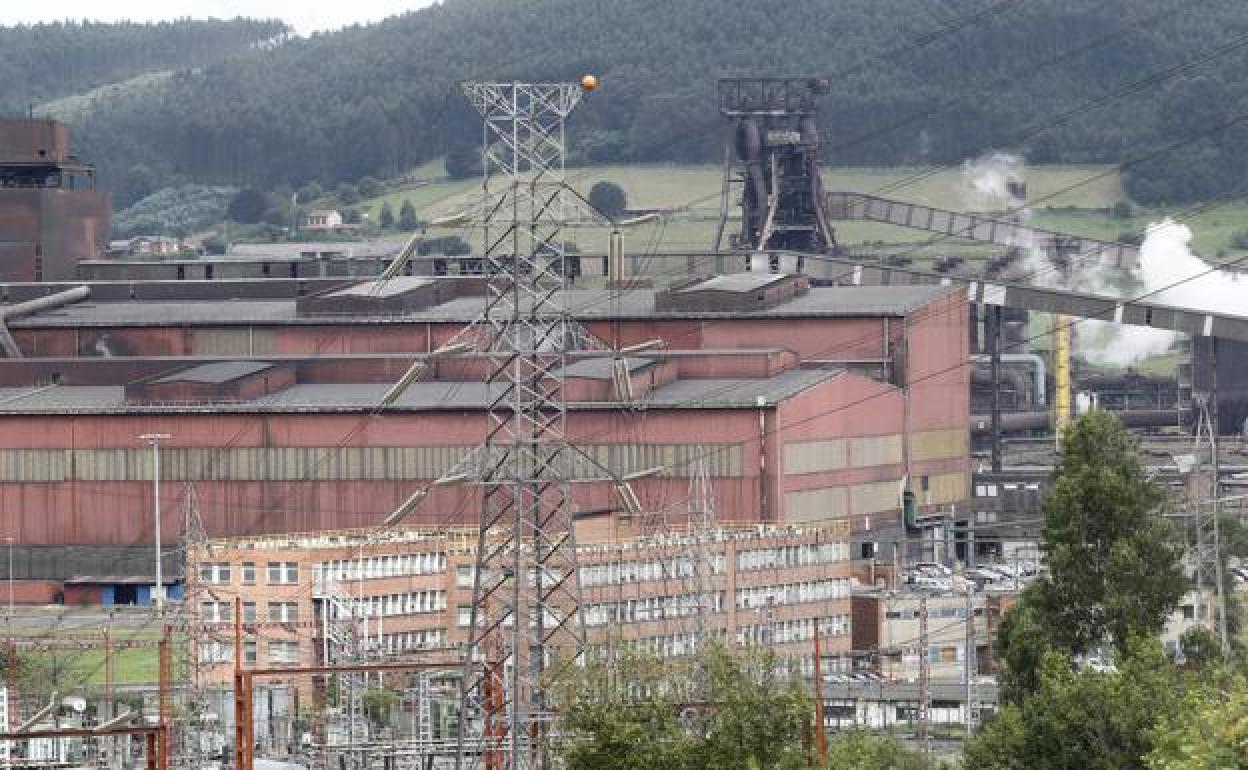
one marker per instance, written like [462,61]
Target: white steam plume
[994,182]
[1165,273]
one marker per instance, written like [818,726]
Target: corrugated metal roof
[390,288]
[846,301]
[600,368]
[735,282]
[218,372]
[683,394]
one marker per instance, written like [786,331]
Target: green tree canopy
[608,198]
[463,160]
[407,217]
[386,217]
[1082,720]
[248,206]
[1208,732]
[1114,562]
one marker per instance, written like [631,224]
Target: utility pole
[993,332]
[925,676]
[9,540]
[153,440]
[970,663]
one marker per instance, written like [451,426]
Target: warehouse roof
[847,301]
[718,393]
[217,372]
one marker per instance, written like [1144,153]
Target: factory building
[804,405]
[51,216]
[305,597]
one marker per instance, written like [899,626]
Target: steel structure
[526,585]
[771,148]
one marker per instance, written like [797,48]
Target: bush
[347,194]
[450,245]
[192,208]
[1130,238]
[463,161]
[214,245]
[386,217]
[369,187]
[608,198]
[309,192]
[407,217]
[1121,210]
[1239,239]
[249,206]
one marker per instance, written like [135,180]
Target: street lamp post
[9,540]
[154,439]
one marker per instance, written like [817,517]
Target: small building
[117,590]
[323,219]
[145,246]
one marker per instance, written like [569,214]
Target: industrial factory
[317,464]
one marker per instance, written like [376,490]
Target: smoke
[1165,275]
[994,182]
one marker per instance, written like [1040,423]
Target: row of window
[276,572]
[397,565]
[792,593]
[912,613]
[801,555]
[785,631]
[414,640]
[281,652]
[676,568]
[652,608]
[389,605]
[223,612]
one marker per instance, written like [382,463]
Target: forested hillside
[47,61]
[914,81]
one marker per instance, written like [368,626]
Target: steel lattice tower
[525,619]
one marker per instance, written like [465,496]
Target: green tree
[248,206]
[386,217]
[309,192]
[1209,732]
[407,217]
[378,704]
[629,717]
[1114,562]
[463,160]
[1076,720]
[608,198]
[347,194]
[369,187]
[214,245]
[865,751]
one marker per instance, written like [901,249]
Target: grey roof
[841,301]
[374,247]
[390,288]
[724,393]
[217,372]
[124,580]
[735,282]
[600,368]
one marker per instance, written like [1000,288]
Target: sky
[305,16]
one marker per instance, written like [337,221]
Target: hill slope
[914,81]
[50,61]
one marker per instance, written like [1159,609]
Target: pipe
[1037,363]
[1016,379]
[981,424]
[40,304]
[30,307]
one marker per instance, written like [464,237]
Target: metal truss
[525,621]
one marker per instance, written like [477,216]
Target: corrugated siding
[874,497]
[939,444]
[815,456]
[815,504]
[947,488]
[334,463]
[867,451]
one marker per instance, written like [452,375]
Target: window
[249,573]
[463,615]
[214,572]
[215,612]
[463,576]
[283,653]
[213,652]
[283,612]
[249,651]
[249,612]
[1189,612]
[283,573]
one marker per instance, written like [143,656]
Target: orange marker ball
[589,83]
